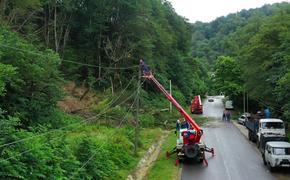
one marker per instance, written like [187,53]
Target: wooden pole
[137,128]
[170,89]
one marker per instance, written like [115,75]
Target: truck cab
[277,154]
[196,105]
[270,128]
[264,127]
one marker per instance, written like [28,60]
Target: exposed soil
[78,98]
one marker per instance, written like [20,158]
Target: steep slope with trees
[258,40]
[97,44]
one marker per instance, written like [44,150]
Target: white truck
[262,129]
[277,154]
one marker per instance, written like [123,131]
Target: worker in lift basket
[181,123]
[145,69]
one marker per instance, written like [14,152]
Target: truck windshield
[275,125]
[281,151]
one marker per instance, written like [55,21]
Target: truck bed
[252,125]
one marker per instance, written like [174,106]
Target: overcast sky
[208,10]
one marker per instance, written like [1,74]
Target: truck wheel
[271,169]
[264,160]
[258,143]
[200,160]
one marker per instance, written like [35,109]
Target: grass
[101,133]
[163,168]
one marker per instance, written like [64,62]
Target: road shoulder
[241,128]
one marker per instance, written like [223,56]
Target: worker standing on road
[228,115]
[224,115]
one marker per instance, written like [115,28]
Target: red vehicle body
[191,148]
[196,105]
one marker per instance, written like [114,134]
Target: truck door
[268,153]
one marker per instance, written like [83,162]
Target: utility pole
[137,129]
[244,100]
[170,90]
[247,102]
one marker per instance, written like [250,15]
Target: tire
[200,161]
[264,160]
[258,143]
[251,136]
[271,169]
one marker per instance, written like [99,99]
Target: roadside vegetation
[164,168]
[45,44]
[49,133]
[248,52]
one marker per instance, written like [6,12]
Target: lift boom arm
[187,117]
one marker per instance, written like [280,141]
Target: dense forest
[249,52]
[97,44]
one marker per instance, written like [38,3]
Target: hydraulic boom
[188,145]
[178,106]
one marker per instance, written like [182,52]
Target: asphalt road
[236,158]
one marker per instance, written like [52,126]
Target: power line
[86,163]
[267,105]
[127,113]
[74,62]
[54,130]
[80,123]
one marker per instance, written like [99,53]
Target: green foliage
[227,77]
[102,33]
[6,75]
[96,160]
[33,89]
[147,120]
[258,40]
[164,168]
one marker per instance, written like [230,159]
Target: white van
[229,105]
[277,154]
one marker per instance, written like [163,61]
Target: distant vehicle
[229,105]
[210,100]
[242,119]
[196,105]
[277,154]
[259,129]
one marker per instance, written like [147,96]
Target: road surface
[236,158]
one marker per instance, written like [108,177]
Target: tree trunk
[25,21]
[99,54]
[55,30]
[2,8]
[112,85]
[66,35]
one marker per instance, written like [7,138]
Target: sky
[208,10]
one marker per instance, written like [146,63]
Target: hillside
[248,52]
[68,84]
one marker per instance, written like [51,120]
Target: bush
[147,120]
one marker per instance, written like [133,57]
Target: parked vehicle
[188,145]
[196,105]
[277,154]
[242,119]
[264,127]
[229,105]
[210,100]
